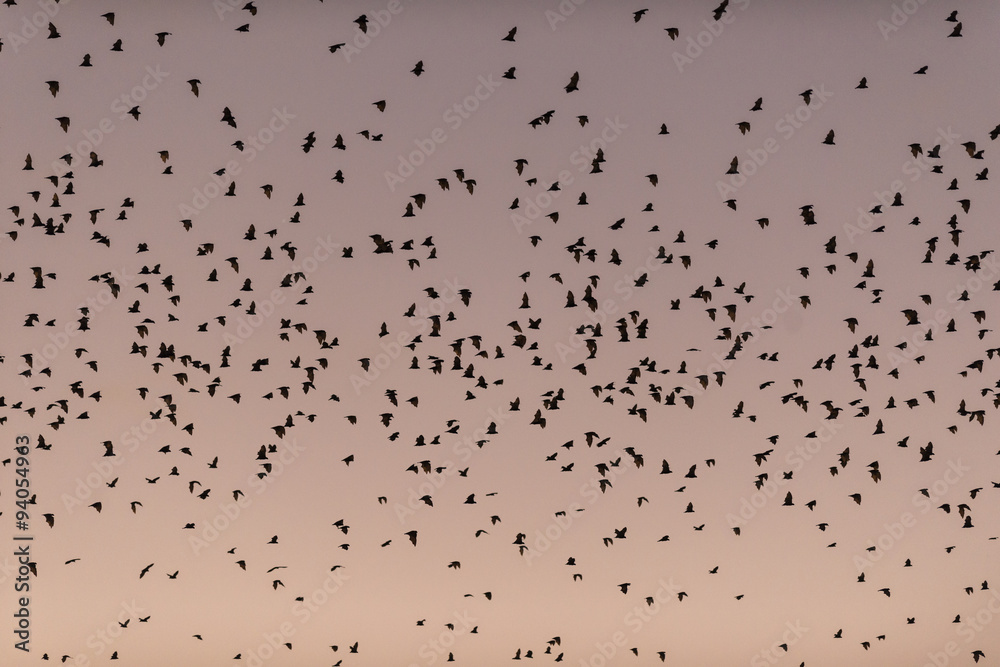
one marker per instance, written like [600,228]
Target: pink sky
[496,261]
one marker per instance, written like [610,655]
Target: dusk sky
[419,331]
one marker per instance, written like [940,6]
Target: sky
[425,331]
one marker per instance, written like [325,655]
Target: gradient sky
[534,563]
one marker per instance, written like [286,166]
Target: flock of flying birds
[587,377]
